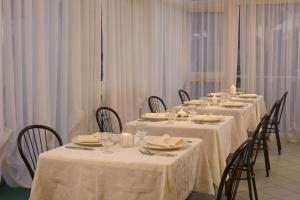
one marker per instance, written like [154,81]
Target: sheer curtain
[270,64]
[214,46]
[50,71]
[145,52]
[157,47]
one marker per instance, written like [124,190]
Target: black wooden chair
[253,152]
[275,121]
[230,178]
[184,96]
[36,139]
[108,120]
[156,104]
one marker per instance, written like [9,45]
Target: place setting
[101,141]
[162,145]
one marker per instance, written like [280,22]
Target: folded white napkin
[93,138]
[166,141]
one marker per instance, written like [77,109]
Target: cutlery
[152,153]
[79,148]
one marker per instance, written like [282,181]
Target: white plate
[208,118]
[195,102]
[232,104]
[91,144]
[155,116]
[154,147]
[252,96]
[218,94]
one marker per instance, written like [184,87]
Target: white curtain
[145,52]
[214,46]
[50,71]
[270,54]
[160,46]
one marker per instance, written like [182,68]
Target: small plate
[91,144]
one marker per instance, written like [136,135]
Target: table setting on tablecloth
[216,136]
[78,172]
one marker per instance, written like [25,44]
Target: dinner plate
[232,104]
[155,116]
[91,144]
[154,147]
[252,96]
[218,94]
[195,102]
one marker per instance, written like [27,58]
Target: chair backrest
[156,104]
[108,120]
[274,112]
[184,96]
[282,105]
[233,171]
[261,128]
[36,139]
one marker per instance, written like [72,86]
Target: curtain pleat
[48,73]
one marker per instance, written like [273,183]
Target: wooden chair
[233,171]
[156,104]
[184,96]
[36,139]
[275,121]
[108,120]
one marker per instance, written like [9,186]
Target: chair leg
[249,182]
[266,157]
[254,183]
[278,139]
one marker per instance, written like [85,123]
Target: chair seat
[272,122]
[250,135]
[230,156]
[200,196]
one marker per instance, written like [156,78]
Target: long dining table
[244,118]
[77,174]
[216,136]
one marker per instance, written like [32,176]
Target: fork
[151,153]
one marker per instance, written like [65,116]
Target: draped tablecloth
[258,103]
[71,174]
[216,137]
[6,136]
[244,119]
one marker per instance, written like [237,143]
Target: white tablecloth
[258,103]
[216,137]
[6,136]
[71,174]
[245,118]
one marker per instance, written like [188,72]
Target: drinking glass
[107,141]
[140,132]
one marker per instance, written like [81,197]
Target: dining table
[216,137]
[258,102]
[244,118]
[90,174]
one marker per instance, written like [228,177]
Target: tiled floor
[284,180]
